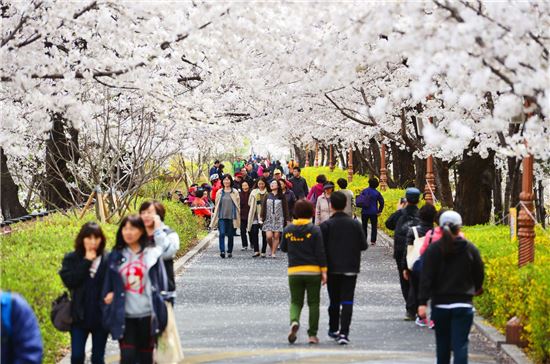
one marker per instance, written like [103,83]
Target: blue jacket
[370,201]
[21,340]
[114,314]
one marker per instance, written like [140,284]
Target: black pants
[374,226]
[412,298]
[403,282]
[255,240]
[137,344]
[244,235]
[341,289]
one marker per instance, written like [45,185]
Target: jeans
[374,226]
[137,345]
[225,228]
[452,327]
[299,285]
[254,239]
[79,337]
[341,289]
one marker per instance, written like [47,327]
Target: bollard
[514,331]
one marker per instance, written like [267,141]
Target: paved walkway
[236,311]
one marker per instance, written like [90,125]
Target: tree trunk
[539,204]
[60,149]
[513,184]
[420,173]
[475,188]
[497,197]
[9,192]
[299,155]
[322,161]
[403,167]
[375,157]
[444,192]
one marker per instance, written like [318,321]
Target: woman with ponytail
[452,274]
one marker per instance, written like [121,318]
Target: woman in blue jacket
[134,310]
[83,273]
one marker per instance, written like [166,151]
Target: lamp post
[383,170]
[350,165]
[429,189]
[526,221]
[307,157]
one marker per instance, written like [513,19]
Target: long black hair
[264,180]
[279,194]
[87,230]
[136,222]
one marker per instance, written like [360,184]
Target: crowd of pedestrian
[128,291]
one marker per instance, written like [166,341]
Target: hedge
[31,257]
[508,290]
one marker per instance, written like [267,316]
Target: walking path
[236,311]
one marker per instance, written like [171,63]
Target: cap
[327,186]
[450,218]
[412,194]
[214,177]
[277,171]
[238,174]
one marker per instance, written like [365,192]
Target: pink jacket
[432,236]
[316,190]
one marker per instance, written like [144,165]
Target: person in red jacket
[216,185]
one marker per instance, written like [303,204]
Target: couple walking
[317,255]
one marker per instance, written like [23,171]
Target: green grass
[31,257]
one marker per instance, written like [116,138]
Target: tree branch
[93,6]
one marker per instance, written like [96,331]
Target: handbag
[60,315]
[169,349]
[413,251]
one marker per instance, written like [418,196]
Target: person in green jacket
[307,268]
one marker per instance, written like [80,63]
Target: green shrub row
[508,290]
[31,256]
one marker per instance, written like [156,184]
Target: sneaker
[222,255]
[409,317]
[333,334]
[373,243]
[230,255]
[313,340]
[431,325]
[256,255]
[343,340]
[421,322]
[294,327]
[263,255]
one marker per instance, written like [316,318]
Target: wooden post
[429,189]
[350,165]
[316,155]
[526,223]
[307,157]
[99,206]
[87,205]
[383,170]
[331,162]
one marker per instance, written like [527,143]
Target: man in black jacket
[344,240]
[299,184]
[400,222]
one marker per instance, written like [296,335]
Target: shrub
[31,258]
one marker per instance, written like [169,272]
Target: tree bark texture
[9,192]
[475,188]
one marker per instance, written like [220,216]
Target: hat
[412,194]
[277,171]
[328,186]
[450,218]
[214,177]
[238,174]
